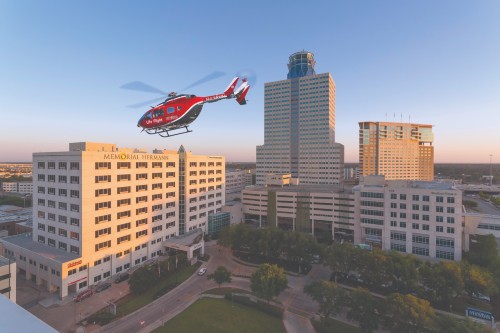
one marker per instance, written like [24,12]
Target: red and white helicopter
[178,111]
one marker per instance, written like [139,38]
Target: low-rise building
[8,278]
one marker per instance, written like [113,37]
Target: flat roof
[188,239]
[306,188]
[19,320]
[25,241]
[434,185]
[4,261]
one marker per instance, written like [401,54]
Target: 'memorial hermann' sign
[480,316]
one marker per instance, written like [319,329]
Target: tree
[484,252]
[408,314]
[373,267]
[143,278]
[341,258]
[477,280]
[268,281]
[330,297]
[365,309]
[403,272]
[220,276]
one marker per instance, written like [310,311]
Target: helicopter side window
[158,113]
[170,109]
[179,108]
[147,116]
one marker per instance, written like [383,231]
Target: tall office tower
[396,150]
[299,126]
[99,210]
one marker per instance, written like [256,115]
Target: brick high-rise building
[398,151]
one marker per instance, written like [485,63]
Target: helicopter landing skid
[164,133]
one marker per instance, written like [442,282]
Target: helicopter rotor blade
[209,77]
[150,102]
[141,86]
[249,75]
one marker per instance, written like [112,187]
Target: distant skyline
[62,65]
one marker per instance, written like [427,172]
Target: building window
[123,239]
[75,194]
[74,166]
[74,235]
[122,178]
[74,221]
[41,165]
[62,179]
[63,246]
[103,205]
[450,210]
[402,197]
[156,164]
[124,214]
[123,165]
[63,165]
[74,180]
[125,189]
[141,176]
[123,226]
[103,179]
[439,199]
[63,206]
[102,232]
[102,165]
[450,230]
[102,245]
[63,219]
[415,226]
[74,249]
[74,208]
[102,192]
[140,165]
[450,219]
[51,165]
[103,218]
[439,228]
[141,222]
[141,233]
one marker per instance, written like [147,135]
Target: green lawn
[225,290]
[210,315]
[334,326]
[133,302]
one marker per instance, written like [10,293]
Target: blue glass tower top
[301,64]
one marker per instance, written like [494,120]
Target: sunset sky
[62,64]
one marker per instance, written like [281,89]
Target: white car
[202,271]
[481,297]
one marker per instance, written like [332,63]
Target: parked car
[102,286]
[83,295]
[122,277]
[202,271]
[315,259]
[481,297]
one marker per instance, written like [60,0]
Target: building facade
[396,150]
[299,126]
[8,278]
[99,210]
[422,218]
[18,187]
[308,208]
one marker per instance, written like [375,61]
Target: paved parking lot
[62,315]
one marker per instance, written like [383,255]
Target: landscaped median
[210,315]
[134,301]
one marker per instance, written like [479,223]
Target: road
[299,306]
[483,207]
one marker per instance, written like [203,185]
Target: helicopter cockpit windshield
[147,115]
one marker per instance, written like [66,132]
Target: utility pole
[491,170]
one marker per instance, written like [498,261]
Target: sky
[62,64]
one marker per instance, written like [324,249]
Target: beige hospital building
[100,210]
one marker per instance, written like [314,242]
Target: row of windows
[62,245]
[416,197]
[61,165]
